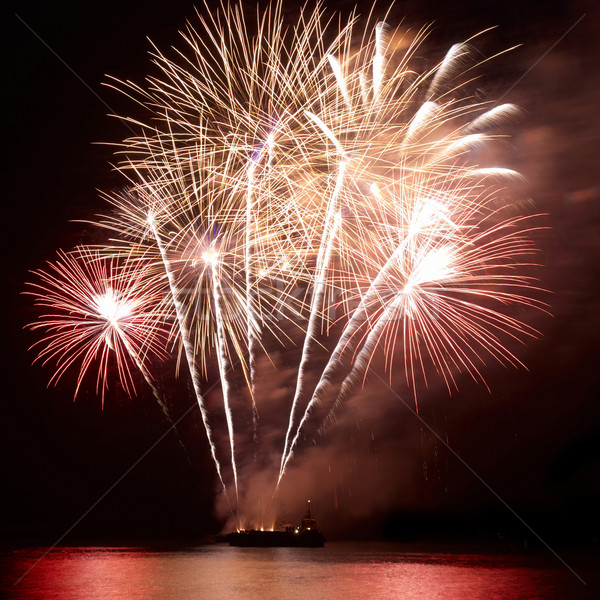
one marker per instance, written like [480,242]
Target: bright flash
[111,309]
[210,257]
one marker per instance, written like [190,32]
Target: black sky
[534,439]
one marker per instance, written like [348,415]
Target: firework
[294,182]
[100,311]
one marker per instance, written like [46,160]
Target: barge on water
[306,535]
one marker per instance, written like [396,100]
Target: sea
[339,571]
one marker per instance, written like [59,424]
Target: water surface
[340,571]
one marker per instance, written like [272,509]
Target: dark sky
[534,439]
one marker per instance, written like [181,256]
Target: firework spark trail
[249,294]
[347,339]
[379,58]
[310,335]
[447,68]
[345,343]
[223,362]
[330,229]
[341,82]
[327,131]
[189,351]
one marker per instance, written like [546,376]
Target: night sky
[534,438]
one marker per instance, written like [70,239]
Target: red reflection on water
[336,572]
[86,573]
[433,581]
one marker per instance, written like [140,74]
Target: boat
[305,535]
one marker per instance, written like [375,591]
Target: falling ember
[286,187]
